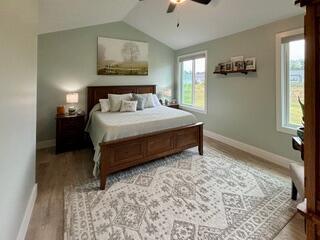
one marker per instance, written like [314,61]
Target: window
[192,81]
[290,80]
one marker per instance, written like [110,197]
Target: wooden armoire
[312,117]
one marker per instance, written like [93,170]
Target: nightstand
[69,132]
[176,105]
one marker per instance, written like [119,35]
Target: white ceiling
[198,23]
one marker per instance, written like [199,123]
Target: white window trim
[280,87]
[186,107]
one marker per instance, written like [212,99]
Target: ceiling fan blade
[202,1]
[171,7]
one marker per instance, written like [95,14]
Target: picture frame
[122,57]
[238,63]
[250,63]
[229,67]
[218,68]
[222,67]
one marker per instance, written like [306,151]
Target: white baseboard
[28,213]
[46,144]
[268,156]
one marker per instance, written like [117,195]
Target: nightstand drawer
[71,133]
[72,123]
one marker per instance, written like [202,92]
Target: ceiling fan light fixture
[177,1]
[174,3]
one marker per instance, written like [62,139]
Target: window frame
[179,74]
[282,106]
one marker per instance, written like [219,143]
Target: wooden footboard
[128,152]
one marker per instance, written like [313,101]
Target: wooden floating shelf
[242,71]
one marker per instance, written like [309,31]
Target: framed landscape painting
[122,57]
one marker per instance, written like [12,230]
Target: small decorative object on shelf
[237,65]
[218,69]
[229,67]
[222,67]
[250,63]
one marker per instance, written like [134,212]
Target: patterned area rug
[181,197]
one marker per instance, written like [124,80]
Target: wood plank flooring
[54,172]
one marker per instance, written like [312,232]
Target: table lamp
[72,98]
[167,93]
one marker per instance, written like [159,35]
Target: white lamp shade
[72,98]
[167,93]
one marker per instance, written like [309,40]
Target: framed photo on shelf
[250,63]
[217,69]
[238,66]
[229,67]
[222,67]
[238,63]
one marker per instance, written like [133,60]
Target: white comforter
[108,126]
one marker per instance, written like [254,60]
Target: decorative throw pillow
[115,101]
[128,106]
[156,101]
[148,99]
[105,105]
[140,101]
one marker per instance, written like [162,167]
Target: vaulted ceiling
[56,15]
[198,23]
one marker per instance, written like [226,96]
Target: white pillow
[148,99]
[115,101]
[156,101]
[105,105]
[128,106]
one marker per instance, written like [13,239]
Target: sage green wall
[18,79]
[67,62]
[244,107]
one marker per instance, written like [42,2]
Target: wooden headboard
[101,92]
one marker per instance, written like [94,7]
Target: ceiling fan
[174,3]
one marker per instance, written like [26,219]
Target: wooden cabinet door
[312,117]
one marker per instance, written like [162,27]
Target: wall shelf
[241,71]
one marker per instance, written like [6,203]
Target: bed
[123,140]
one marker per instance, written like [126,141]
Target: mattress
[103,127]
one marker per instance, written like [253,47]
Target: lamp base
[72,110]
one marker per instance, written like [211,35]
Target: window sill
[193,109]
[288,130]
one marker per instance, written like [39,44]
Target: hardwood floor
[54,172]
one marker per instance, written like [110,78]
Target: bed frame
[123,153]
